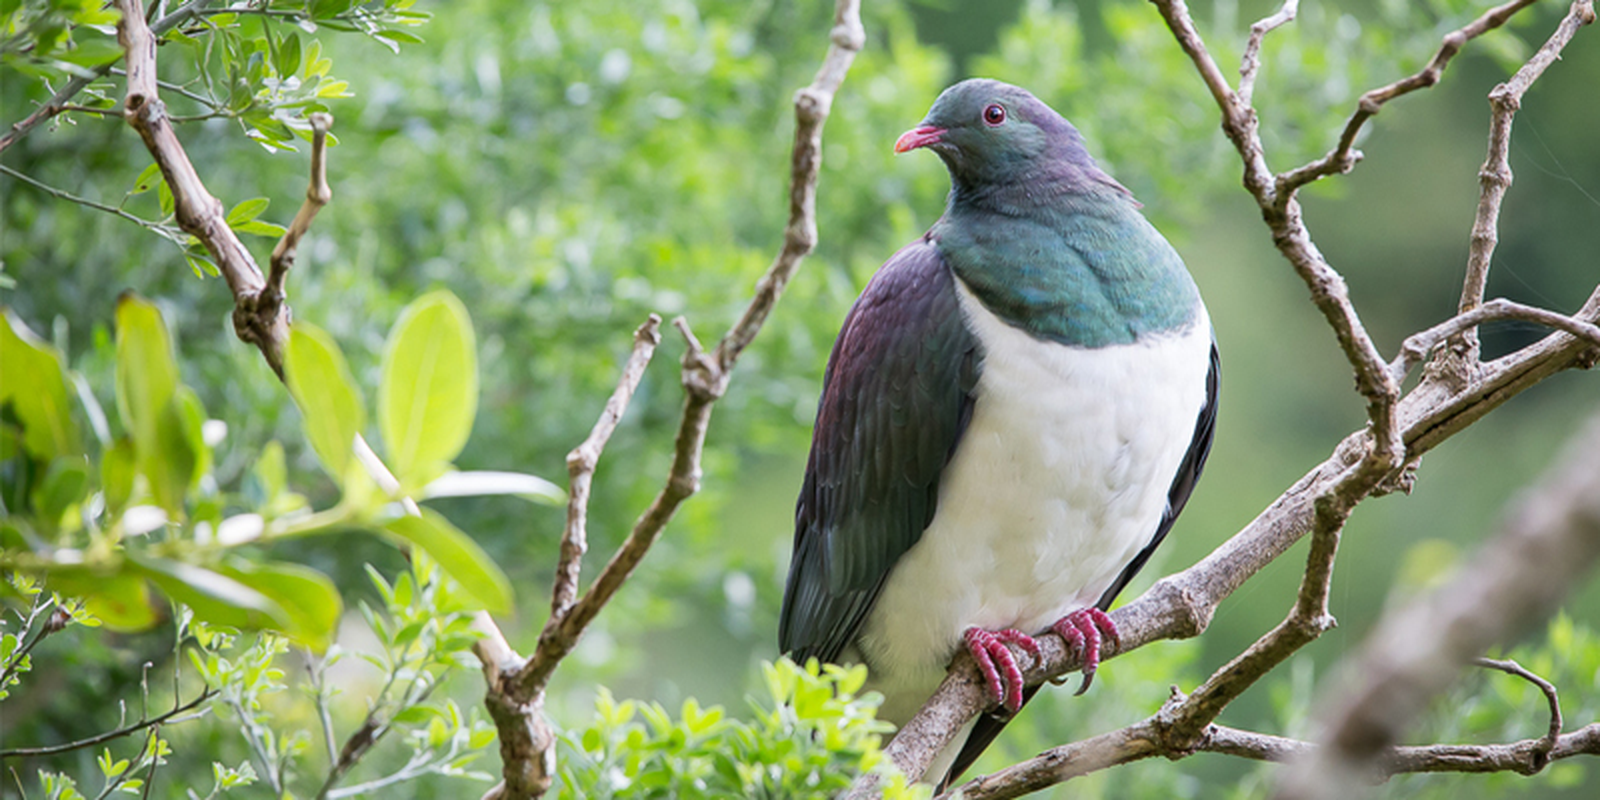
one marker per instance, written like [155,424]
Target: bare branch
[265,325]
[32,752]
[1518,579]
[318,193]
[1553,734]
[1343,156]
[515,698]
[1494,177]
[1417,346]
[1250,64]
[1365,463]
[581,464]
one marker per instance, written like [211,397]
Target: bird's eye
[994,114]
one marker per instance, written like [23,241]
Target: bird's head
[989,132]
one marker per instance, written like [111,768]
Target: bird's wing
[896,398]
[990,725]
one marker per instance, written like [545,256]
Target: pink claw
[1083,631]
[990,651]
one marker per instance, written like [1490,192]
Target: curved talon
[989,649]
[1084,631]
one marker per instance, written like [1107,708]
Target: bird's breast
[1059,481]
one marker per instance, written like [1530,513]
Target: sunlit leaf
[35,386]
[459,556]
[476,483]
[215,597]
[429,393]
[329,401]
[122,601]
[307,596]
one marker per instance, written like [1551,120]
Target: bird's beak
[920,136]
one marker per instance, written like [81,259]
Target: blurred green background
[567,168]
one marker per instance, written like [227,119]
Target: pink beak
[918,137]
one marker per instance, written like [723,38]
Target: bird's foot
[1083,631]
[999,666]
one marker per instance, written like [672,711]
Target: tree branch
[31,752]
[1518,579]
[256,318]
[60,101]
[1494,177]
[516,695]
[1343,156]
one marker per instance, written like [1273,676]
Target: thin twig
[60,194]
[1418,345]
[1250,64]
[29,752]
[1494,177]
[318,193]
[59,101]
[1553,732]
[581,463]
[1343,155]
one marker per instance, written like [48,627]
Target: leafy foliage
[811,738]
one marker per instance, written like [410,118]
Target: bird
[1015,411]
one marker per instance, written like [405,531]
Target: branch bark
[258,318]
[515,695]
[1520,578]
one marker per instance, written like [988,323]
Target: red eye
[994,114]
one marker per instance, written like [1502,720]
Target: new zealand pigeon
[1014,413]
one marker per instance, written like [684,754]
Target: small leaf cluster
[811,738]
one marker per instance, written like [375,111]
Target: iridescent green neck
[1081,268]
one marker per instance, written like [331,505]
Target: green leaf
[215,598]
[289,54]
[246,211]
[39,400]
[117,469]
[309,598]
[459,556]
[122,601]
[480,483]
[147,180]
[320,381]
[182,455]
[63,486]
[147,376]
[429,392]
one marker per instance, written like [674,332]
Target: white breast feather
[1061,478]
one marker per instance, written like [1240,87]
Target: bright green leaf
[429,393]
[329,401]
[215,598]
[309,598]
[147,375]
[63,486]
[247,210]
[458,555]
[122,601]
[36,387]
